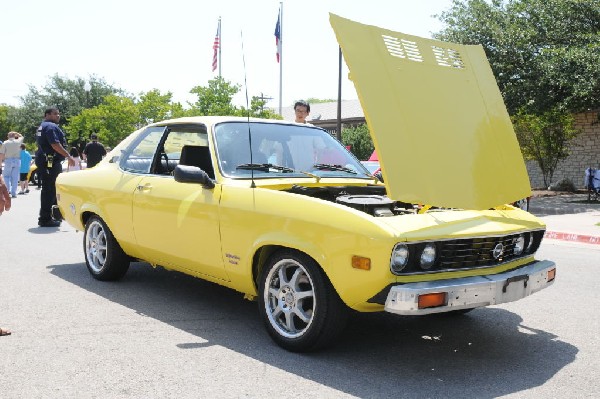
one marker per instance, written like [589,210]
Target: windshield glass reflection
[279,149]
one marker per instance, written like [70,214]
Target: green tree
[359,140]
[545,54]
[154,106]
[258,110]
[112,121]
[6,123]
[118,116]
[313,100]
[214,99]
[69,95]
[544,137]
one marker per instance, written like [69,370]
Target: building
[584,150]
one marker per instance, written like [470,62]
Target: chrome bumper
[471,292]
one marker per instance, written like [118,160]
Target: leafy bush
[563,185]
[359,140]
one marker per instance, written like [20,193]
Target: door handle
[144,187]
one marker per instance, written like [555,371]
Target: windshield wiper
[265,167]
[328,166]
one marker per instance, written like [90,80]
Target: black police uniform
[49,164]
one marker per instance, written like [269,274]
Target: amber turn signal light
[432,300]
[551,275]
[359,262]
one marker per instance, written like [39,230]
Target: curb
[573,237]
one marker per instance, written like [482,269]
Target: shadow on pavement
[485,354]
[562,205]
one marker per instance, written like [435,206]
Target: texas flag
[278,36]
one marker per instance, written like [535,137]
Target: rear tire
[299,307]
[104,257]
[33,178]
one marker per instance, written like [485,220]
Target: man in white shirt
[301,110]
[10,153]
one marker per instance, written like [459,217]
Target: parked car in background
[373,166]
[285,214]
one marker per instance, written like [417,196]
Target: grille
[476,252]
[472,253]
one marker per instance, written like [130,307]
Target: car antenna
[252,185]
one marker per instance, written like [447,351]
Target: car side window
[138,157]
[178,137]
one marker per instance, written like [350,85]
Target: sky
[140,45]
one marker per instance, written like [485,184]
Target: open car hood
[436,116]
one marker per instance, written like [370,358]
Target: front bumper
[471,292]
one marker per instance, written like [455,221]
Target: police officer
[48,159]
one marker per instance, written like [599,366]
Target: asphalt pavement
[161,334]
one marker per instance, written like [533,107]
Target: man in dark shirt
[48,159]
[93,152]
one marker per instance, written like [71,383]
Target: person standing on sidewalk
[10,153]
[25,165]
[93,152]
[48,159]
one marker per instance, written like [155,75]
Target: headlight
[519,245]
[428,256]
[529,242]
[399,258]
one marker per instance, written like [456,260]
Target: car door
[177,224]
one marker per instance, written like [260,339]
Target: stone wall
[585,153]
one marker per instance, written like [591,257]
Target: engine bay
[370,199]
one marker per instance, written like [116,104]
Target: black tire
[104,257]
[33,178]
[300,308]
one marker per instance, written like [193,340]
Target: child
[24,171]
[75,154]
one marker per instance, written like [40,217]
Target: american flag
[216,45]
[278,36]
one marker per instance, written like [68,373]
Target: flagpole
[220,45]
[280,55]
[338,132]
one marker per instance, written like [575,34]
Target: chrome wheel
[95,246]
[289,298]
[103,255]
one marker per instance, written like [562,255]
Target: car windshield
[282,150]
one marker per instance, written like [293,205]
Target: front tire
[299,306]
[104,257]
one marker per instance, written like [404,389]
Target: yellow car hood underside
[436,116]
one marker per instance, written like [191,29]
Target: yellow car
[283,213]
[32,176]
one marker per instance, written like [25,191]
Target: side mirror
[193,174]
